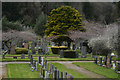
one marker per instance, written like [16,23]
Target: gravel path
[82,71]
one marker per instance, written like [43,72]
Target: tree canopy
[63,19]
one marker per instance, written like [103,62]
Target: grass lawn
[23,71]
[48,58]
[108,73]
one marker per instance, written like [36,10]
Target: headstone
[73,46]
[69,77]
[105,60]
[61,53]
[65,73]
[84,52]
[55,74]
[77,55]
[31,60]
[39,59]
[61,75]
[29,54]
[51,68]
[42,61]
[113,66]
[33,48]
[41,72]
[100,60]
[22,56]
[95,60]
[12,50]
[118,68]
[26,45]
[36,66]
[14,57]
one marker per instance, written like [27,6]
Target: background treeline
[29,13]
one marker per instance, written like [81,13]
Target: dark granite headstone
[22,56]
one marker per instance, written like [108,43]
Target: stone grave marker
[114,66]
[26,45]
[12,50]
[41,72]
[100,60]
[36,66]
[84,52]
[61,53]
[39,59]
[96,60]
[33,48]
[69,77]
[42,61]
[29,54]
[61,75]
[22,56]
[65,73]
[55,73]
[45,64]
[105,60]
[14,57]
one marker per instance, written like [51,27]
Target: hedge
[21,50]
[69,54]
[56,49]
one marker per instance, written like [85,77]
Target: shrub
[21,50]
[69,54]
[56,49]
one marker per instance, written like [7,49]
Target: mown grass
[108,73]
[23,71]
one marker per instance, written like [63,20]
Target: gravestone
[69,77]
[114,66]
[65,73]
[73,46]
[51,68]
[95,60]
[100,60]
[45,64]
[39,59]
[105,60]
[61,75]
[42,61]
[77,55]
[33,48]
[29,54]
[14,57]
[118,68]
[12,50]
[55,74]
[41,72]
[31,60]
[26,45]
[61,53]
[36,66]
[22,56]
[83,52]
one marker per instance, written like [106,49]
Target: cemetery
[60,45]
